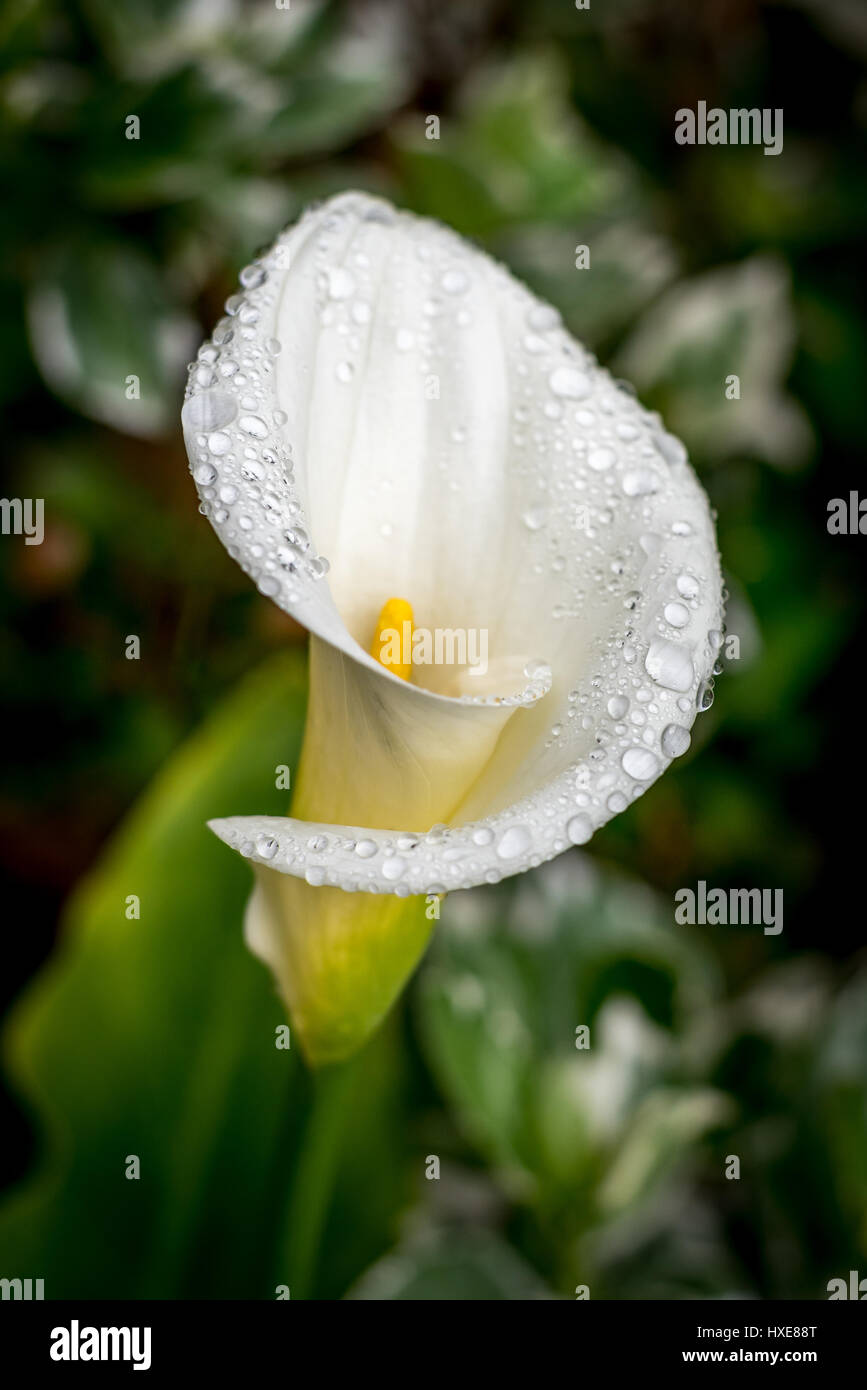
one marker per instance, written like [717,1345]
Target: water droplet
[204,474]
[455,281]
[483,836]
[254,425]
[219,443]
[513,842]
[617,706]
[675,740]
[639,763]
[252,276]
[669,664]
[568,381]
[601,459]
[579,829]
[543,317]
[209,410]
[676,614]
[341,283]
[266,848]
[687,587]
[704,697]
[365,849]
[344,372]
[393,867]
[640,482]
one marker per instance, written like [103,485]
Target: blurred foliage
[559,1166]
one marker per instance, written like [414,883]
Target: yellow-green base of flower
[340,959]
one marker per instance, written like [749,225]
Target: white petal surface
[394,401]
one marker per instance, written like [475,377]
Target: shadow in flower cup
[387,417]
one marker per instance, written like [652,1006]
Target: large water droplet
[639,763]
[676,614]
[640,482]
[579,829]
[209,410]
[687,586]
[513,842]
[601,459]
[670,665]
[675,740]
[568,381]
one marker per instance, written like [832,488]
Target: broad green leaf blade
[156,1038]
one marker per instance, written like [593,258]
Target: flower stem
[314,1178]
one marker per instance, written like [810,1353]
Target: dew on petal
[675,740]
[640,763]
[579,829]
[676,614]
[254,425]
[219,443]
[670,665]
[209,410]
[601,459]
[513,842]
[569,382]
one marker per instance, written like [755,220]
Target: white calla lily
[386,396]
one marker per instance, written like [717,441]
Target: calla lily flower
[388,423]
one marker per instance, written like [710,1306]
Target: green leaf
[516,153]
[731,321]
[450,1266]
[99,315]
[514,975]
[156,1038]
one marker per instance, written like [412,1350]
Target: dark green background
[156,1037]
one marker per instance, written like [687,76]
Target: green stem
[314,1177]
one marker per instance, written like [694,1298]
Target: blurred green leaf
[99,314]
[735,320]
[451,1266]
[516,152]
[156,1037]
[514,976]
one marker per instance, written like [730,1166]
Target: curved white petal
[393,400]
